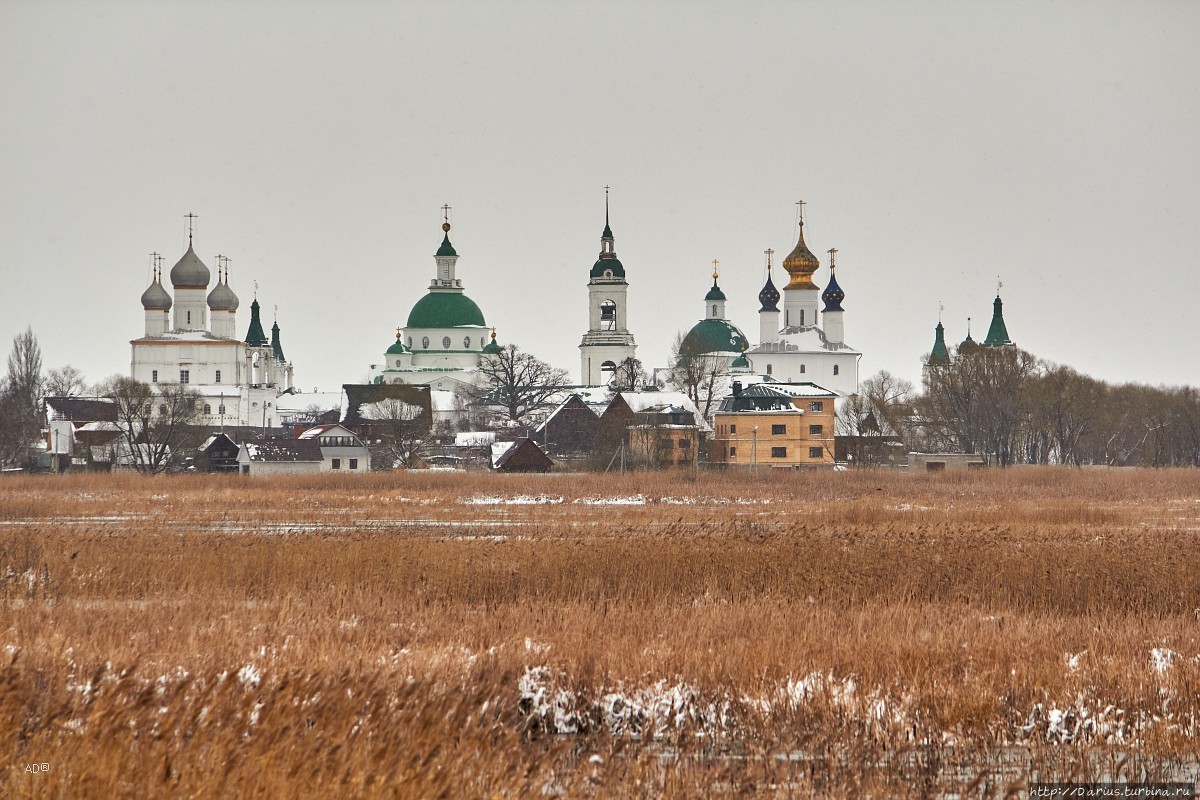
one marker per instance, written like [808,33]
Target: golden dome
[801,264]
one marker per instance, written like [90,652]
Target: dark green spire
[255,336]
[276,347]
[997,333]
[939,356]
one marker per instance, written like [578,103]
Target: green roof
[713,336]
[276,347]
[614,264]
[998,332]
[254,335]
[446,249]
[445,310]
[491,348]
[397,349]
[715,293]
[940,356]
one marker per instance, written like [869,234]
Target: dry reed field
[647,635]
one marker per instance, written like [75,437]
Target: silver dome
[190,272]
[156,298]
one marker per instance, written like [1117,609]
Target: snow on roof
[302,401]
[188,336]
[282,450]
[443,400]
[805,389]
[333,429]
[499,449]
[648,401]
[801,340]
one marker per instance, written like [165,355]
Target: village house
[789,425]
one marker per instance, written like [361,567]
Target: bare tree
[629,376]
[519,382]
[703,377]
[153,422]
[65,382]
[399,433]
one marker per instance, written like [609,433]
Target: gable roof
[281,450]
[82,409]
[335,429]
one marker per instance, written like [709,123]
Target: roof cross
[189,216]
[715,262]
[832,259]
[445,212]
[800,210]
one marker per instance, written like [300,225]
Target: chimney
[737,388]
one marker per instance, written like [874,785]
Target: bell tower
[608,341]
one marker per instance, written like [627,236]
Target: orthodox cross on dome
[189,216]
[769,252]
[276,312]
[941,308]
[446,213]
[398,334]
[800,210]
[154,257]
[999,285]
[715,262]
[832,259]
[256,290]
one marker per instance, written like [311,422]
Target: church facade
[191,338]
[608,341]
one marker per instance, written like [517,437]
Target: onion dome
[833,294]
[715,292]
[801,264]
[769,296]
[276,347]
[155,298]
[998,332]
[607,265]
[968,344]
[713,336]
[189,272]
[398,347]
[446,249]
[939,356]
[492,348]
[254,334]
[222,298]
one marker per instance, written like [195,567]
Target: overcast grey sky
[938,145]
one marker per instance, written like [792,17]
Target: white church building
[191,339]
[608,341]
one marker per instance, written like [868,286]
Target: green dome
[446,249]
[492,348]
[397,349]
[713,336]
[715,293]
[614,264]
[445,310]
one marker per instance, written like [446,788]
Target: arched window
[424,342]
[835,369]
[801,369]
[446,342]
[482,341]
[220,409]
[410,342]
[802,322]
[714,310]
[609,367]
[207,408]
[608,315]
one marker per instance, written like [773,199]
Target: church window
[207,408]
[835,369]
[802,318]
[154,376]
[778,452]
[185,376]
[768,369]
[410,341]
[467,342]
[608,315]
[816,405]
[482,341]
[221,409]
[424,342]
[446,342]
[189,318]
[218,377]
[714,310]
[801,369]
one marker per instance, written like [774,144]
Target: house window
[778,452]
[154,376]
[733,452]
[801,369]
[815,452]
[779,430]
[185,376]
[733,428]
[684,444]
[354,463]
[162,409]
[337,464]
[207,409]
[424,342]
[835,369]
[816,430]
[446,342]
[816,405]
[217,377]
[768,369]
